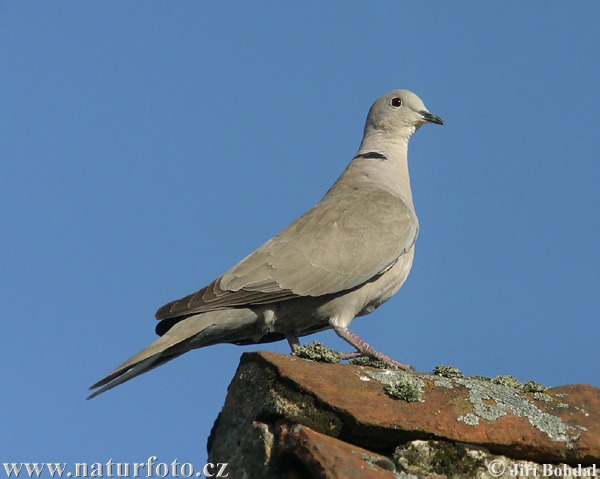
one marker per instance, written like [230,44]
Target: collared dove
[343,258]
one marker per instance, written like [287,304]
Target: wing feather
[339,244]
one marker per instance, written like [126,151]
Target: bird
[342,259]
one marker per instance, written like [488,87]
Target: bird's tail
[193,332]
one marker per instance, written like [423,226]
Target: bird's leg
[364,349]
[293,342]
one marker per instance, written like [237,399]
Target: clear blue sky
[146,147]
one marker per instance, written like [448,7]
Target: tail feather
[193,332]
[140,368]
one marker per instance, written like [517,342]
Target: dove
[342,259]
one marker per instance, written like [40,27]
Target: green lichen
[448,372]
[317,352]
[511,381]
[370,362]
[405,388]
[528,387]
[508,380]
[477,377]
[534,387]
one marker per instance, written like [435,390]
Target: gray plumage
[343,258]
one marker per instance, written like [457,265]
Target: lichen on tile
[506,399]
[316,351]
[447,372]
[399,384]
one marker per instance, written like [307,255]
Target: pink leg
[364,349]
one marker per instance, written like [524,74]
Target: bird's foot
[366,350]
[344,356]
[391,363]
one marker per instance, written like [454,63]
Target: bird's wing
[344,241]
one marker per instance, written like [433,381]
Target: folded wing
[341,243]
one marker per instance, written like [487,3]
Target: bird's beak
[429,118]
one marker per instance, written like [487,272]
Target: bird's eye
[396,102]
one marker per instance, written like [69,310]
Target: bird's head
[399,112]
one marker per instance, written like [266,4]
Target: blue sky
[148,146]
